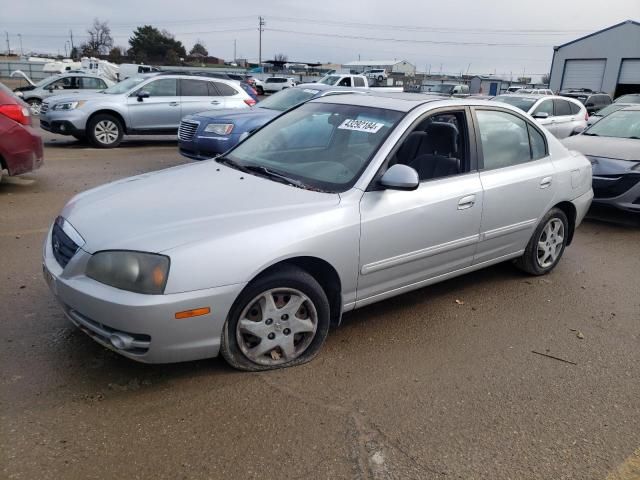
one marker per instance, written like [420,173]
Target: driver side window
[545,107]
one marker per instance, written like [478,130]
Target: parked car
[613,147]
[593,101]
[20,144]
[275,84]
[150,104]
[631,98]
[249,90]
[377,74]
[614,107]
[513,89]
[67,83]
[448,89]
[562,116]
[127,70]
[255,255]
[534,91]
[207,134]
[338,80]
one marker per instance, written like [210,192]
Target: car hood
[159,211]
[607,147]
[233,114]
[75,97]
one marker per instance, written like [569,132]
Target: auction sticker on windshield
[361,126]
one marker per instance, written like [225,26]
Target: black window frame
[206,82]
[478,138]
[216,86]
[556,102]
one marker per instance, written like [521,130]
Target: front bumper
[619,191]
[203,147]
[149,321]
[70,122]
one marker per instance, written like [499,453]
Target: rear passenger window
[561,107]
[165,87]
[358,82]
[575,109]
[225,90]
[194,88]
[504,139]
[538,145]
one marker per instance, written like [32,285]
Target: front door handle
[466,202]
[546,182]
[174,104]
[215,102]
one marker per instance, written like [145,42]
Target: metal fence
[32,69]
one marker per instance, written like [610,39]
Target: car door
[198,95]
[563,118]
[517,178]
[160,110]
[545,106]
[91,84]
[409,237]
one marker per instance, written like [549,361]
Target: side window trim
[478,140]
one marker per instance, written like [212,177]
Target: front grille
[63,247]
[613,186]
[187,130]
[44,107]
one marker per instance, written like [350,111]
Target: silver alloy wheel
[106,132]
[34,107]
[277,326]
[550,242]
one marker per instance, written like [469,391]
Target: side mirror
[400,177]
[142,94]
[541,115]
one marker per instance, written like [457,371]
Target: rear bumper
[582,204]
[21,149]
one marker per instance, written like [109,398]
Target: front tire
[104,131]
[279,320]
[547,244]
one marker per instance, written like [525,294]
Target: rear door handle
[466,202]
[546,182]
[215,102]
[174,104]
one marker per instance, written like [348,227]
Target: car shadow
[126,143]
[610,215]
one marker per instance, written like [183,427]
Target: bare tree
[100,39]
[281,57]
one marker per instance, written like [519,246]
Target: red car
[20,144]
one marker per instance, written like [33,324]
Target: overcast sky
[502,36]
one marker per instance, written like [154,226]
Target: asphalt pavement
[440,383]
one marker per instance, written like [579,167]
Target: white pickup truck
[345,80]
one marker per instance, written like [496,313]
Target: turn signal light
[16,113]
[196,312]
[250,101]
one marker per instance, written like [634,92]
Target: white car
[338,80]
[534,91]
[275,84]
[377,74]
[562,116]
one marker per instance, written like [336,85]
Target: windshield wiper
[591,134]
[267,172]
[231,163]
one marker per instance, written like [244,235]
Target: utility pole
[71,35]
[260,29]
[235,57]
[8,44]
[21,50]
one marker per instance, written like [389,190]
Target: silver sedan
[339,203]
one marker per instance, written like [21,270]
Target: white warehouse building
[605,61]
[391,66]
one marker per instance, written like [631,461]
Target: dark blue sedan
[207,134]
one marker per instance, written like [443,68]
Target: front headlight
[133,271]
[219,128]
[67,105]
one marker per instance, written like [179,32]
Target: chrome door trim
[418,254]
[516,227]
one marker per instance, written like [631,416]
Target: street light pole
[21,50]
[8,44]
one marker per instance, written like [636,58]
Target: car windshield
[523,103]
[620,124]
[285,99]
[320,146]
[123,86]
[610,109]
[330,80]
[633,98]
[443,88]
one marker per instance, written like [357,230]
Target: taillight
[250,101]
[586,116]
[16,113]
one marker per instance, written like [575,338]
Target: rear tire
[104,131]
[547,244]
[380,78]
[279,320]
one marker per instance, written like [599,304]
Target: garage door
[583,74]
[630,71]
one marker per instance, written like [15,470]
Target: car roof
[323,86]
[399,101]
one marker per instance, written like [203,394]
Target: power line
[403,40]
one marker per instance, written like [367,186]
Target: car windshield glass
[610,109]
[330,80]
[285,99]
[634,98]
[123,86]
[522,103]
[322,146]
[444,88]
[620,124]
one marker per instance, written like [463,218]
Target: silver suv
[151,104]
[68,83]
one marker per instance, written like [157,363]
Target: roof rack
[193,73]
